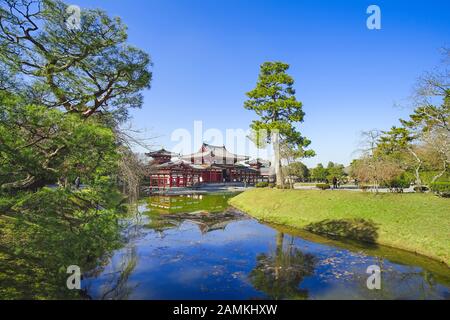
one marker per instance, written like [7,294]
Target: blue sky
[206,55]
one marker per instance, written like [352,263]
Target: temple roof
[180,163]
[187,164]
[214,151]
[262,162]
[161,153]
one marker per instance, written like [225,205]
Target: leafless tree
[133,167]
[369,141]
[375,170]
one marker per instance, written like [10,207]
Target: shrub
[286,186]
[262,184]
[271,185]
[441,188]
[400,182]
[323,186]
[421,189]
[364,187]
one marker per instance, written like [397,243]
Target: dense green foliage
[43,230]
[319,173]
[41,145]
[64,94]
[335,171]
[297,170]
[416,222]
[88,71]
[328,174]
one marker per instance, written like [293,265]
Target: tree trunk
[277,160]
[289,174]
[417,171]
[21,184]
[279,254]
[440,174]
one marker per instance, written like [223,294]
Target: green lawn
[414,222]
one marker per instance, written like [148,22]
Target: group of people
[336,183]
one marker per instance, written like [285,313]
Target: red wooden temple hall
[211,164]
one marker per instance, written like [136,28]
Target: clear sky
[206,55]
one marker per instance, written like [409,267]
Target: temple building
[266,171]
[211,164]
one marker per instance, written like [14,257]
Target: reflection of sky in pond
[244,261]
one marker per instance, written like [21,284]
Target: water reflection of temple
[205,222]
[207,212]
[188,203]
[209,226]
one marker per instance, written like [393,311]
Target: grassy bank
[415,222]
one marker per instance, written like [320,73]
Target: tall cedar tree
[274,102]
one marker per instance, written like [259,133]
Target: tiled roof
[161,152]
[264,163]
[214,151]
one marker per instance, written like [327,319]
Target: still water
[196,247]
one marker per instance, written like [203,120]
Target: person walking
[77,183]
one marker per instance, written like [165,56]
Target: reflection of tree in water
[118,288]
[420,284]
[280,273]
[409,282]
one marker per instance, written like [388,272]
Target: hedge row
[441,188]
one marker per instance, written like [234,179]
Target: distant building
[211,164]
[266,171]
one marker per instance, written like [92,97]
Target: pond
[196,247]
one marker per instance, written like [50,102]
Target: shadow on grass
[354,229]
